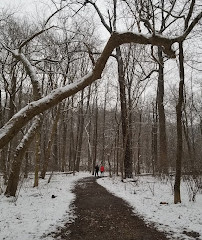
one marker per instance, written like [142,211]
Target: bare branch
[33,36]
[53,14]
[13,126]
[190,27]
[189,14]
[100,15]
[149,75]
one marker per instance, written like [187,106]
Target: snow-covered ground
[145,196]
[35,213]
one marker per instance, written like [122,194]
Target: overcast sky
[26,8]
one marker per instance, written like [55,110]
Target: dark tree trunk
[37,158]
[64,137]
[4,150]
[95,135]
[71,145]
[12,96]
[88,131]
[190,161]
[154,141]
[163,162]
[26,165]
[124,117]
[103,129]
[139,143]
[56,158]
[80,133]
[47,154]
[177,196]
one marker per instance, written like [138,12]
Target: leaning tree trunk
[18,157]
[177,196]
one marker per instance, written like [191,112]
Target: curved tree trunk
[17,162]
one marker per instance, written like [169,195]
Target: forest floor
[101,215]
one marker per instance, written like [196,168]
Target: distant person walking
[96,170]
[102,169]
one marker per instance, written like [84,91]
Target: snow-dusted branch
[12,127]
[30,133]
[30,71]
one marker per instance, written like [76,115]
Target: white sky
[31,9]
[20,6]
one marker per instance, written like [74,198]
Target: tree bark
[50,143]
[95,134]
[154,141]
[26,171]
[64,136]
[138,143]
[103,128]
[80,132]
[72,142]
[124,117]
[12,127]
[177,196]
[18,158]
[163,162]
[37,158]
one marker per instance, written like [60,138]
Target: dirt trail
[102,216]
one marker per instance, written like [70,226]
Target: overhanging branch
[20,119]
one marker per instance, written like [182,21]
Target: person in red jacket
[102,169]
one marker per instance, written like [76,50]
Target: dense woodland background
[144,115]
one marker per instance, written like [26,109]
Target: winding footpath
[102,216]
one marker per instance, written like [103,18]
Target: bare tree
[187,26]
[41,104]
